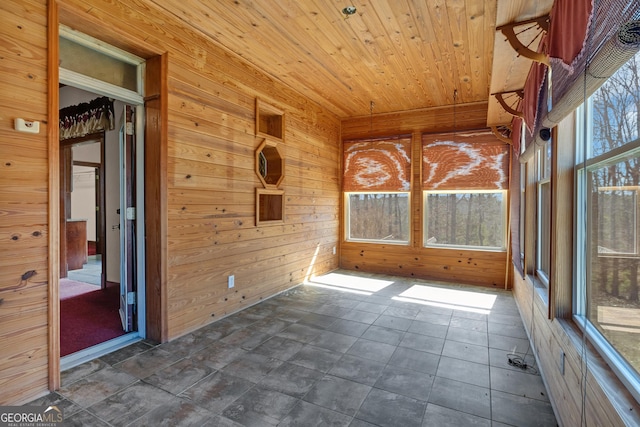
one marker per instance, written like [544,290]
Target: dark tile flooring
[346,350]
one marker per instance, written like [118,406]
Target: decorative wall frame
[269,206]
[269,164]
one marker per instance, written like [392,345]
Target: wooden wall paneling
[90,19]
[203,122]
[472,267]
[259,278]
[57,222]
[25,270]
[550,338]
[432,120]
[209,110]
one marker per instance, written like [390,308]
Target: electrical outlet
[231,281]
[334,250]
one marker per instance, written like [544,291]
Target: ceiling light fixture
[349,10]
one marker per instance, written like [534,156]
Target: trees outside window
[473,219]
[380,217]
[608,181]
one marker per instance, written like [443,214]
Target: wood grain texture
[24,198]
[156,218]
[201,199]
[211,176]
[437,119]
[451,265]
[403,55]
[551,338]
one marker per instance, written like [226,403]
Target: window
[543,211]
[380,217]
[376,183]
[464,182]
[473,219]
[523,210]
[607,183]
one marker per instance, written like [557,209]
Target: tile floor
[347,350]
[90,272]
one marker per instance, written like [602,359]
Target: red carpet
[89,319]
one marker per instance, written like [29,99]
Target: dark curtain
[86,118]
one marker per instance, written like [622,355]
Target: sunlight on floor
[352,284]
[455,299]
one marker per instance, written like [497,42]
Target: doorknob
[115,227]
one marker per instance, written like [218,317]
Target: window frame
[584,166]
[543,164]
[504,210]
[523,213]
[347,221]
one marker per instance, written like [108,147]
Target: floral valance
[86,118]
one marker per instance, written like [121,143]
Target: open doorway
[88,301]
[101,114]
[98,242]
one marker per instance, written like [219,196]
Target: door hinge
[131,213]
[131,298]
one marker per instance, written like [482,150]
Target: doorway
[101,246]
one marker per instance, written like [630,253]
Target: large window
[380,217]
[464,182]
[376,183]
[466,218]
[608,261]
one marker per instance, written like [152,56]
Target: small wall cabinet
[269,121]
[269,206]
[269,164]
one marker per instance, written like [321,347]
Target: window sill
[378,242]
[466,248]
[540,289]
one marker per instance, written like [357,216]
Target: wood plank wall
[23,201]
[552,338]
[455,265]
[210,186]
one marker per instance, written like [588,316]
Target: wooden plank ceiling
[399,54]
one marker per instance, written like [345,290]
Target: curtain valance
[86,118]
[474,160]
[377,164]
